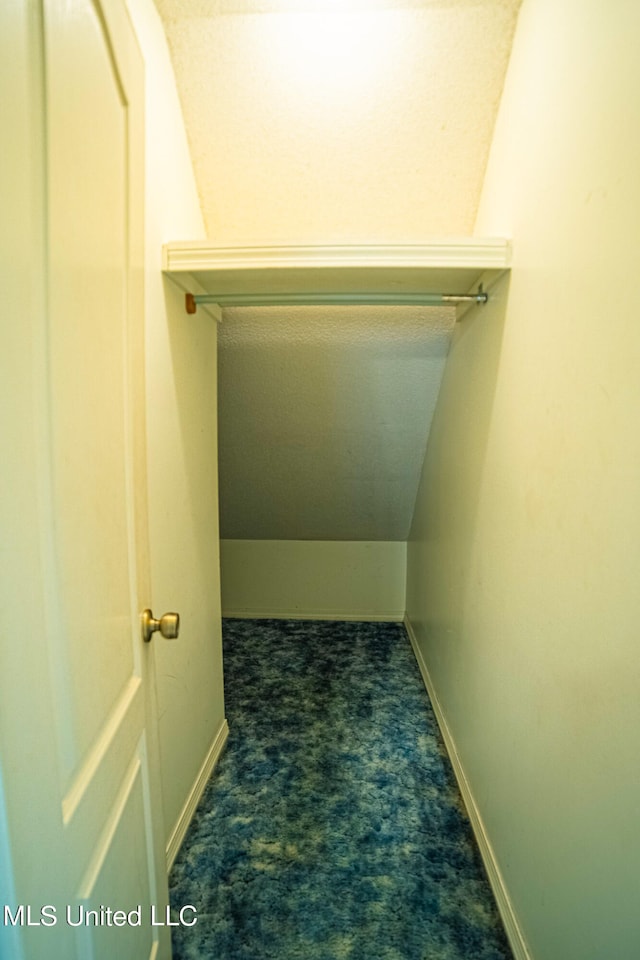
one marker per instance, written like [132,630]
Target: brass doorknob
[168,625]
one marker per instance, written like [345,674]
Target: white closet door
[80,792]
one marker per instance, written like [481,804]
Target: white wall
[321,579]
[182,453]
[524,561]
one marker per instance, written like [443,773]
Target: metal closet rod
[309,299]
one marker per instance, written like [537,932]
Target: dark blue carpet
[332,827]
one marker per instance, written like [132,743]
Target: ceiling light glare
[331,53]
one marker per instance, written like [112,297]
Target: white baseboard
[189,808]
[395,616]
[503,901]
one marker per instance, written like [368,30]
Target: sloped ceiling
[324,419]
[318,121]
[339,122]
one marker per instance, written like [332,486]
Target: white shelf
[346,274]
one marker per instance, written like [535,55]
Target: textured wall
[324,415]
[524,562]
[340,122]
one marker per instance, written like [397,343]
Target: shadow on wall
[324,416]
[453,470]
[192,348]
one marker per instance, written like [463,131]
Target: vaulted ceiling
[324,419]
[318,121]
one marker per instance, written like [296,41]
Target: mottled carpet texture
[332,827]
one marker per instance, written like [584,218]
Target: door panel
[121,850]
[79,761]
[88,315]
